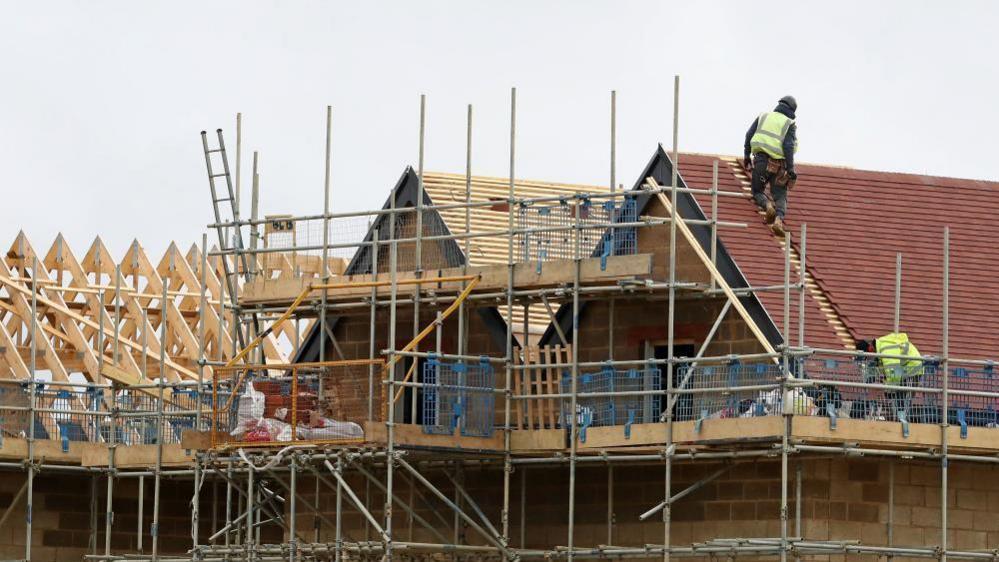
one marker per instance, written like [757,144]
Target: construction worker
[894,370]
[772,141]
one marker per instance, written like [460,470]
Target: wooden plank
[729,430]
[525,374]
[537,377]
[191,439]
[138,456]
[517,391]
[554,356]
[493,277]
[888,434]
[407,435]
[48,450]
[537,440]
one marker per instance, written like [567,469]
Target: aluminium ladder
[225,220]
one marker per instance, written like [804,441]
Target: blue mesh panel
[458,395]
[600,411]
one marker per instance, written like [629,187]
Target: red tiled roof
[857,221]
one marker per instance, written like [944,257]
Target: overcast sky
[101,103]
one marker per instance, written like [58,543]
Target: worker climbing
[772,141]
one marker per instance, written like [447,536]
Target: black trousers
[777,181]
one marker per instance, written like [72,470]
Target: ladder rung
[222,175]
[224,199]
[214,150]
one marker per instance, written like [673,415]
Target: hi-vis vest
[771,129]
[897,369]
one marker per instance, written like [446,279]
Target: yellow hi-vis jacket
[771,129]
[897,369]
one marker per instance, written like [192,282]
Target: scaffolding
[462,400]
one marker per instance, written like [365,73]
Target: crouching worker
[896,371]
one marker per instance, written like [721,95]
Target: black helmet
[790,102]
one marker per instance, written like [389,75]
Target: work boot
[770,213]
[778,227]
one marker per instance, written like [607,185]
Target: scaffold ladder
[227,216]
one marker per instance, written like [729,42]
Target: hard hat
[790,102]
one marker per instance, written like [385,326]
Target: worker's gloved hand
[792,174]
[747,163]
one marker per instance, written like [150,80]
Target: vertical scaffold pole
[293,510]
[390,397]
[802,289]
[239,158]
[788,410]
[32,406]
[112,419]
[671,321]
[157,477]
[373,321]
[198,458]
[254,215]
[944,421]
[338,555]
[145,377]
[326,235]
[507,459]
[249,512]
[574,400]
[714,217]
[418,254]
[612,302]
[898,291]
[462,321]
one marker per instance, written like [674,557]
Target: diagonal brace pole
[494,539]
[357,502]
[406,507]
[685,492]
[471,502]
[700,353]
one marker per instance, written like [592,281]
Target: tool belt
[778,171]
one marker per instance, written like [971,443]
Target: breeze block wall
[61,522]
[842,499]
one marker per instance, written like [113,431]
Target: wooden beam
[493,278]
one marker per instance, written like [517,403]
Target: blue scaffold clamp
[903,419]
[627,426]
[587,420]
[700,420]
[831,412]
[962,419]
[607,250]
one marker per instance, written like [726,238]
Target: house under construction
[495,368]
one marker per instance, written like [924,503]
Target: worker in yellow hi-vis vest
[906,369]
[772,140]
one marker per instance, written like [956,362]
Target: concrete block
[844,530]
[985,521]
[972,499]
[926,517]
[910,495]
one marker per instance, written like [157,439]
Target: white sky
[101,103]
